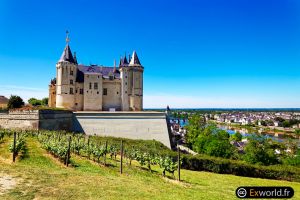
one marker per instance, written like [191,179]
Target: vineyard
[62,145]
[93,170]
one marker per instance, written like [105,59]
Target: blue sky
[209,53]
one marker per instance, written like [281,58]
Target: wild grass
[40,176]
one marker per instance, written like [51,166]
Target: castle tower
[123,67]
[66,69]
[135,70]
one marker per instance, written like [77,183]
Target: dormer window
[111,77]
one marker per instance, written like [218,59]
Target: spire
[115,65]
[115,68]
[67,37]
[75,58]
[67,54]
[134,59]
[125,60]
[120,63]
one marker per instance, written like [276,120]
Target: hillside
[40,176]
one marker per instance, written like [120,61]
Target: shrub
[239,168]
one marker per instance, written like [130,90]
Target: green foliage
[37,102]
[20,145]
[196,125]
[260,150]
[239,168]
[15,102]
[237,137]
[293,160]
[34,102]
[167,164]
[214,142]
[45,101]
[57,144]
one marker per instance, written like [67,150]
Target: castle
[97,88]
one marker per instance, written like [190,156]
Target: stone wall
[132,125]
[113,97]
[20,120]
[55,120]
[34,120]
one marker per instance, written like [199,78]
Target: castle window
[80,91]
[71,73]
[117,92]
[96,86]
[76,91]
[125,92]
[104,91]
[90,86]
[97,92]
[98,76]
[126,83]
[76,104]
[71,91]
[71,82]
[125,76]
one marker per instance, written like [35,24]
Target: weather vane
[67,38]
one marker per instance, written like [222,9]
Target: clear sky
[196,53]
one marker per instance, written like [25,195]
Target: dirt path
[7,182]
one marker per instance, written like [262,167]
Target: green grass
[40,176]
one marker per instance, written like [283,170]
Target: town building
[3,102]
[79,87]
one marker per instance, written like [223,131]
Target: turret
[136,70]
[123,68]
[66,69]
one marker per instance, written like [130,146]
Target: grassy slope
[43,177]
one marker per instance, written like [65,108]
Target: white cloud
[24,92]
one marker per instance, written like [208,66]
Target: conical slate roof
[123,61]
[67,55]
[134,59]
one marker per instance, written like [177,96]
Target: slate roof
[94,69]
[134,59]
[123,62]
[3,100]
[67,55]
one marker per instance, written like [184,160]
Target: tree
[263,123]
[259,150]
[196,125]
[15,102]
[34,102]
[286,123]
[45,101]
[37,102]
[214,142]
[237,136]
